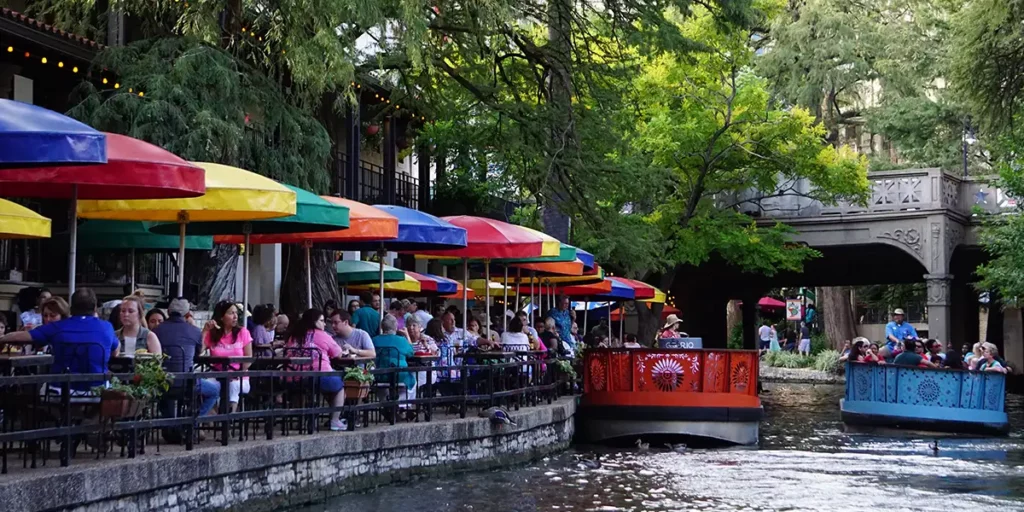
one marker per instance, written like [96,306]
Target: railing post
[65,421]
[224,407]
[430,389]
[190,395]
[464,383]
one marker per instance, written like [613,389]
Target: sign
[681,343]
[794,310]
[808,294]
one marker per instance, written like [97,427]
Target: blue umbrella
[586,258]
[619,292]
[417,231]
[445,286]
[32,136]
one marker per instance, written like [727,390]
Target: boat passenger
[856,353]
[912,355]
[953,360]
[885,355]
[871,354]
[631,342]
[991,362]
[671,328]
[971,358]
[897,330]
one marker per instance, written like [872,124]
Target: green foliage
[205,105]
[736,337]
[358,374]
[827,361]
[149,382]
[819,343]
[566,368]
[988,37]
[788,360]
[927,132]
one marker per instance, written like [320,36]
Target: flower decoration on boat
[740,376]
[598,379]
[667,374]
[993,396]
[863,384]
[928,390]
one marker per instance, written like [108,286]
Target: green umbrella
[115,235]
[352,272]
[313,214]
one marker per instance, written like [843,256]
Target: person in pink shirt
[308,332]
[226,338]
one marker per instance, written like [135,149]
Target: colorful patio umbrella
[32,136]
[366,223]
[16,221]
[134,170]
[312,213]
[417,231]
[641,290]
[356,272]
[407,285]
[435,284]
[232,194]
[133,236]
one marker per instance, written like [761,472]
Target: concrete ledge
[286,471]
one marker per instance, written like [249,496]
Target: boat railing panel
[619,370]
[932,387]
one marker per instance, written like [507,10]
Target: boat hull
[739,426]
[923,419]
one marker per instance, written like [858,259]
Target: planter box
[117,404]
[355,390]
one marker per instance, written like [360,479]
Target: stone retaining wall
[270,475]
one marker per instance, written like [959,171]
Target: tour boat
[708,394]
[924,399]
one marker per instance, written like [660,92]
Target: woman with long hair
[308,333]
[133,335]
[225,337]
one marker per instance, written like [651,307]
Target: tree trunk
[293,279]
[649,318]
[561,144]
[218,276]
[733,316]
[838,314]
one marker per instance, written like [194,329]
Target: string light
[60,64]
[117,85]
[10,49]
[44,60]
[74,69]
[104,81]
[130,89]
[140,94]
[27,55]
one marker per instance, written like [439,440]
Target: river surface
[805,461]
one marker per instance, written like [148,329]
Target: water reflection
[805,462]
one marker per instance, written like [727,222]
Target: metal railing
[371,184]
[293,404]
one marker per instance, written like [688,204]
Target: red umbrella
[770,303]
[134,170]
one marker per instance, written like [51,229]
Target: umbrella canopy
[134,170]
[416,231]
[477,285]
[407,285]
[355,272]
[770,303]
[432,283]
[593,276]
[16,221]
[312,213]
[641,290]
[586,258]
[587,290]
[567,268]
[232,194]
[113,235]
[494,239]
[619,291]
[365,223]
[659,297]
[469,293]
[32,136]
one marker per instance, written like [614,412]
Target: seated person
[631,342]
[308,333]
[515,340]
[912,355]
[392,351]
[885,355]
[934,351]
[953,360]
[549,336]
[181,340]
[80,344]
[991,362]
[857,352]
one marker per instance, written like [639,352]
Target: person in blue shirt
[563,321]
[393,347]
[897,330]
[367,318]
[80,344]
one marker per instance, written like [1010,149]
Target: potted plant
[129,399]
[357,382]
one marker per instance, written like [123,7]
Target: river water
[805,461]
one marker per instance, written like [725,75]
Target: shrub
[819,343]
[736,337]
[791,360]
[770,358]
[828,361]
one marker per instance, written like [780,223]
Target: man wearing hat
[897,330]
[181,341]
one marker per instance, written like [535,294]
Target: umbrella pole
[247,229]
[609,321]
[586,310]
[309,275]
[465,296]
[73,229]
[504,315]
[182,221]
[487,298]
[622,321]
[519,277]
[133,269]
[380,258]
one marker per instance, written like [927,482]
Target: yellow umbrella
[659,297]
[232,195]
[16,221]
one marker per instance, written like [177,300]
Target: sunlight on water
[805,462]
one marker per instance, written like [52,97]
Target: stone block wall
[271,475]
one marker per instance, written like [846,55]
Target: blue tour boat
[925,399]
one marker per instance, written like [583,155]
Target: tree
[708,145]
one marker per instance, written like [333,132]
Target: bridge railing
[667,371]
[929,387]
[901,191]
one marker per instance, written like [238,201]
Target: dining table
[343,362]
[10,362]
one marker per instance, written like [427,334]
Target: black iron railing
[371,188]
[34,426]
